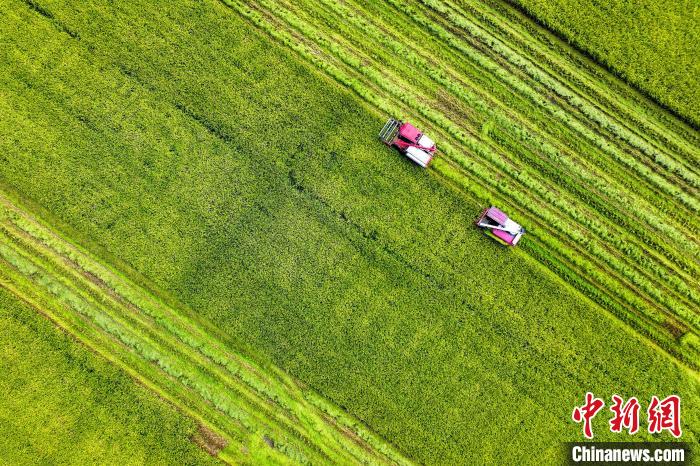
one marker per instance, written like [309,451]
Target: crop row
[611,96]
[529,183]
[168,351]
[659,155]
[637,42]
[619,102]
[353,59]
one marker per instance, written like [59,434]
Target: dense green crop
[252,187]
[651,44]
[248,412]
[536,150]
[62,404]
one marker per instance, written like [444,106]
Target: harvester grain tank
[409,140]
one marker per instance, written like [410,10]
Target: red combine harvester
[418,147]
[497,224]
[409,140]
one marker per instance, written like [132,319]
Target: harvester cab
[497,224]
[409,140]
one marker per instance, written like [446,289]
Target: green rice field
[649,43]
[195,192]
[62,403]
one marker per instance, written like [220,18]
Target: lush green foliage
[652,44]
[238,402]
[533,148]
[253,189]
[62,404]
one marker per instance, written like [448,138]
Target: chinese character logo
[662,415]
[587,412]
[626,416]
[665,415]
